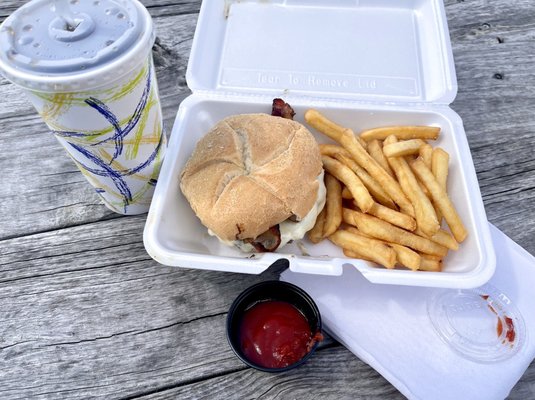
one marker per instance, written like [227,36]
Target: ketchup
[274,334]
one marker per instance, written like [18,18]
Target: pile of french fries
[386,195]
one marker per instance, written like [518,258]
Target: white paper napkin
[388,327]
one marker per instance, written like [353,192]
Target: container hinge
[318,101]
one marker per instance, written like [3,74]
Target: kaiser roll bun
[251,172]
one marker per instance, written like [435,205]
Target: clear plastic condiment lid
[357,50]
[482,324]
[56,45]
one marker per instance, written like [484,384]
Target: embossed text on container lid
[364,50]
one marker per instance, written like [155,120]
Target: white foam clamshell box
[364,64]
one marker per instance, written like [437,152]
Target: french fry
[441,199]
[407,257]
[375,149]
[430,264]
[315,235]
[362,142]
[333,205]
[352,181]
[426,152]
[329,128]
[372,249]
[354,254]
[442,237]
[331,150]
[439,167]
[401,132]
[383,230]
[426,218]
[347,216]
[371,184]
[347,139]
[394,217]
[404,256]
[403,148]
[346,194]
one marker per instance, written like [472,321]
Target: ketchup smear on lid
[274,334]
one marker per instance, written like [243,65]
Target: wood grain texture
[494,50]
[84,311]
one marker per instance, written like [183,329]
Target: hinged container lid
[357,50]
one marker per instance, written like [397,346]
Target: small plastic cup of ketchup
[274,326]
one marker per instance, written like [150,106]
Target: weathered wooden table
[86,313]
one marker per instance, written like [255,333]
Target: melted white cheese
[289,230]
[296,230]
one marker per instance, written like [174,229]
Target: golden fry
[442,237]
[375,189]
[371,184]
[375,149]
[439,167]
[333,205]
[362,142]
[352,181]
[347,139]
[383,230]
[401,132]
[404,256]
[407,257]
[426,152]
[441,199]
[354,254]
[315,235]
[329,128]
[426,218]
[370,248]
[430,264]
[403,148]
[331,150]
[346,194]
[394,217]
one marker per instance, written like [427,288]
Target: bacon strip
[267,241]
[282,109]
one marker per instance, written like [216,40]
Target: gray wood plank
[494,54]
[348,378]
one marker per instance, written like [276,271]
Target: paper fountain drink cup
[86,66]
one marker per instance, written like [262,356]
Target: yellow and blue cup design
[87,68]
[114,135]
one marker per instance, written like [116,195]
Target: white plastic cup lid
[58,45]
[482,324]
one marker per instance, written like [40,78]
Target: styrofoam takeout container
[364,64]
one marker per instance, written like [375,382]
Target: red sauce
[510,334]
[274,334]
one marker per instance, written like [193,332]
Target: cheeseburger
[255,181]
